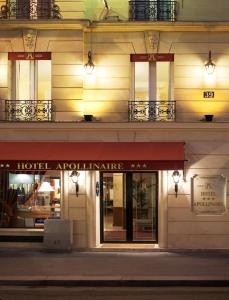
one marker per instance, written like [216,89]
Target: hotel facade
[114,123]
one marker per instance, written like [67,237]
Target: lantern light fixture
[89,66]
[75,176]
[209,66]
[176,178]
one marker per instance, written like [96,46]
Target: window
[31,9]
[23,204]
[152,81]
[152,92]
[32,79]
[31,87]
[147,10]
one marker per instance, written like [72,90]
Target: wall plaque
[209,194]
[208,94]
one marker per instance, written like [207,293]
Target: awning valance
[85,155]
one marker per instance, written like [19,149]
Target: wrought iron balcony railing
[157,10]
[150,111]
[29,110]
[30,9]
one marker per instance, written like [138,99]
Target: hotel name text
[70,166]
[75,165]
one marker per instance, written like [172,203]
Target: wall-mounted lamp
[75,176]
[176,179]
[89,66]
[209,66]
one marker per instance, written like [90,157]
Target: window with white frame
[152,81]
[30,87]
[31,79]
[152,92]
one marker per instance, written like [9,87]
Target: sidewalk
[129,268]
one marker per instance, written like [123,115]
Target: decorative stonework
[152,39]
[29,40]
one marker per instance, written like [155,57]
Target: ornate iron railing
[30,9]
[157,10]
[150,111]
[29,110]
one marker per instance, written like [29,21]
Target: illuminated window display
[27,199]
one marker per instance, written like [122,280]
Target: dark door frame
[129,209]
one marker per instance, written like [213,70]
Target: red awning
[167,154]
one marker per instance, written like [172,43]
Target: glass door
[129,207]
[113,207]
[144,206]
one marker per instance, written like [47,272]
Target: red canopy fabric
[159,155]
[92,151]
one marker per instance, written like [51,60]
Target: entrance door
[129,207]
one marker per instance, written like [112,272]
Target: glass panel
[114,207]
[144,207]
[27,82]
[142,81]
[23,205]
[44,79]
[163,80]
[23,79]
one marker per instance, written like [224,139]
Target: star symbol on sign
[144,166]
[1,165]
[132,166]
[7,165]
[138,166]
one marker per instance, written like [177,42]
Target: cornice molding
[118,26]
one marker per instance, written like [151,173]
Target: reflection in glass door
[129,207]
[144,206]
[113,205]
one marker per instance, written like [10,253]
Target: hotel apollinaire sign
[209,194]
[75,165]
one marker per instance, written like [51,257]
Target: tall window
[152,10]
[31,9]
[32,79]
[31,87]
[152,91]
[152,81]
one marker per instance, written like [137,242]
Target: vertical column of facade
[77,208]
[67,74]
[4,82]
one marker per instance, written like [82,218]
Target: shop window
[23,204]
